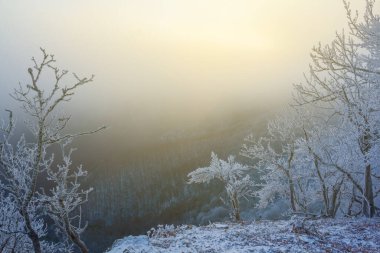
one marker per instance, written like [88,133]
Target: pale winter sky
[156,60]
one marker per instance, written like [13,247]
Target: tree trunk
[72,234]
[368,204]
[335,199]
[236,207]
[368,201]
[291,183]
[32,234]
[74,237]
[324,189]
[24,209]
[292,195]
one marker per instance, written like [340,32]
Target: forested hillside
[146,187]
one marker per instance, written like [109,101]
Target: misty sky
[168,60]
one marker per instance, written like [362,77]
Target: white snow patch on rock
[324,235]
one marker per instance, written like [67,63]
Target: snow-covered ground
[323,235]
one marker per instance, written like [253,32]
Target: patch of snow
[220,226]
[324,235]
[132,244]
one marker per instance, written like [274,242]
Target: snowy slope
[324,235]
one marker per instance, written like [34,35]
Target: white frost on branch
[232,174]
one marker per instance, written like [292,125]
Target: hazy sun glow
[170,57]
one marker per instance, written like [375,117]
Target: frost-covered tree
[13,236]
[66,198]
[325,150]
[345,80]
[22,166]
[308,159]
[16,167]
[233,176]
[322,155]
[275,156]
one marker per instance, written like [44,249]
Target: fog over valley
[156,67]
[174,80]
